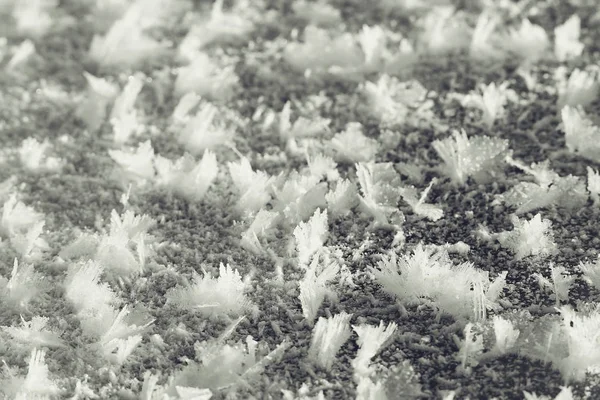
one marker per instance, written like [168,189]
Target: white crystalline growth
[394,102]
[581,136]
[491,100]
[314,286]
[379,184]
[99,94]
[529,238]
[322,52]
[24,285]
[207,78]
[580,89]
[33,17]
[220,26]
[124,116]
[429,277]
[209,295]
[529,42]
[34,333]
[566,39]
[18,218]
[185,177]
[352,146]
[328,336]
[474,156]
[37,383]
[370,341]
[205,131]
[342,199]
[126,45]
[593,184]
[136,163]
[254,186]
[310,236]
[34,156]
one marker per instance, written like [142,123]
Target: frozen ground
[170,337]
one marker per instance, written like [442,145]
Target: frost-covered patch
[299,199]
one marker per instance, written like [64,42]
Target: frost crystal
[379,184]
[208,295]
[221,27]
[118,350]
[560,283]
[342,199]
[33,156]
[490,101]
[394,102]
[119,336]
[186,177]
[328,336]
[224,366]
[464,157]
[22,54]
[17,218]
[418,204]
[30,245]
[137,164]
[260,228]
[205,131]
[194,185]
[470,348]
[529,238]
[580,89]
[581,135]
[483,47]
[123,116]
[301,128]
[591,272]
[310,236]
[566,393]
[299,197]
[430,277]
[84,290]
[582,332]
[353,146]
[593,185]
[371,339]
[192,393]
[314,287]
[506,335]
[34,333]
[130,224]
[125,44]
[206,78]
[322,52]
[566,39]
[317,13]
[254,186]
[33,18]
[373,41]
[99,94]
[117,251]
[187,102]
[322,167]
[444,31]
[529,42]
[550,188]
[23,286]
[37,384]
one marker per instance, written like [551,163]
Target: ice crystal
[464,156]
